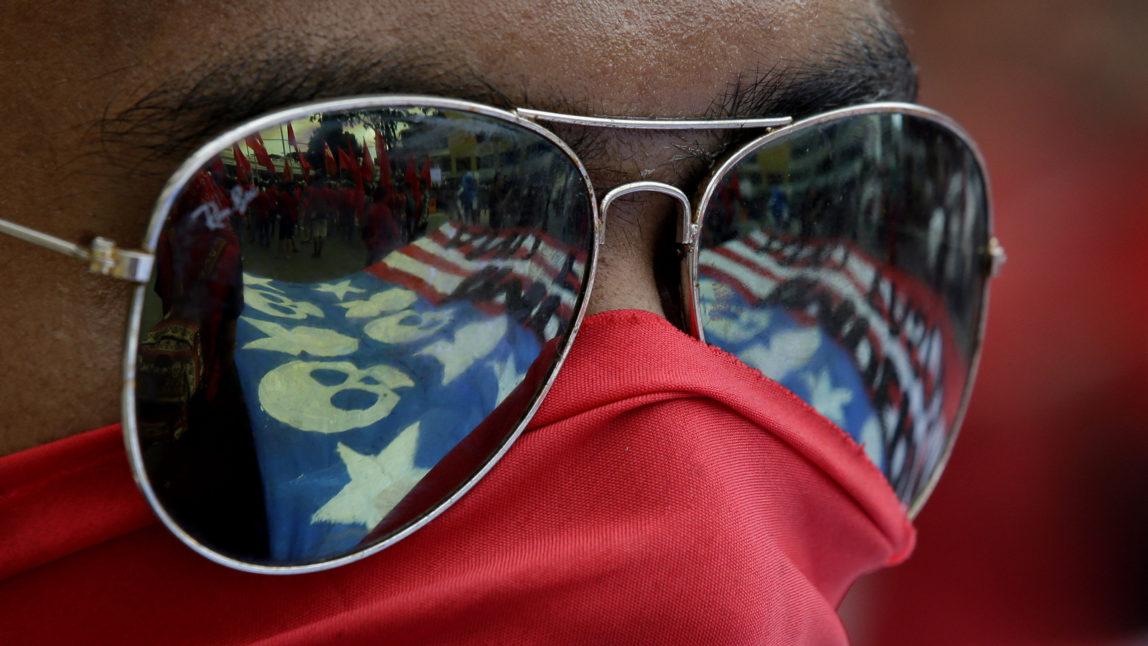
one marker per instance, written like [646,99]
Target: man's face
[102,101]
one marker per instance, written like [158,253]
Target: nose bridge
[686,231]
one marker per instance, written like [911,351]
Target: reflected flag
[345,161]
[242,166]
[217,169]
[306,168]
[867,346]
[255,143]
[329,161]
[396,364]
[368,165]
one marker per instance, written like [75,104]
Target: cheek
[62,347]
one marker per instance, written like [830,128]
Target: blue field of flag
[799,356]
[355,388]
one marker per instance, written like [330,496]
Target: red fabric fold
[64,497]
[665,493]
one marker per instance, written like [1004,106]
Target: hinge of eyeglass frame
[996,256]
[108,259]
[103,256]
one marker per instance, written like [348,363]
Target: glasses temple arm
[103,257]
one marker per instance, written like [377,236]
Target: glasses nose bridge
[686,229]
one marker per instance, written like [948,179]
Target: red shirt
[380,230]
[665,493]
[289,204]
[264,203]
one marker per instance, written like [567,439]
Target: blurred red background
[1038,531]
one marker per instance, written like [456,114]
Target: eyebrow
[177,115]
[873,65]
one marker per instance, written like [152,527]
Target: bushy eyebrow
[177,115]
[180,113]
[873,65]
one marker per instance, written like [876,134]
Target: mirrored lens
[352,312]
[846,260]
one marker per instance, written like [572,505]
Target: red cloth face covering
[665,493]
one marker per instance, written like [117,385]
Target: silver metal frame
[993,253]
[629,123]
[136,266]
[102,256]
[166,200]
[651,187]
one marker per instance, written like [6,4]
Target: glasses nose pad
[674,264]
[685,230]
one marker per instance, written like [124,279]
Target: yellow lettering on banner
[292,394]
[471,343]
[315,341]
[274,304]
[391,300]
[408,326]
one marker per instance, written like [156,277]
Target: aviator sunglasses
[347,311]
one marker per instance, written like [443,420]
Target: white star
[338,289]
[391,300]
[378,482]
[826,399]
[316,341]
[788,350]
[508,377]
[408,325]
[250,280]
[471,343]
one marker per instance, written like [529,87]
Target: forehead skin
[100,101]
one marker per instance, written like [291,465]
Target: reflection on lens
[844,260]
[351,313]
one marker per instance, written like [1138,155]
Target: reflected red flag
[217,168]
[329,161]
[291,137]
[346,162]
[242,166]
[287,174]
[368,165]
[255,143]
[304,165]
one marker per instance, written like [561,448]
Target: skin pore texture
[102,101]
